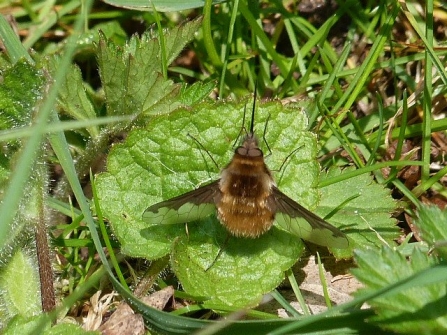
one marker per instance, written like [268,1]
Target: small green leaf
[73,99]
[420,309]
[21,88]
[19,324]
[429,223]
[195,93]
[20,91]
[131,75]
[5,170]
[234,272]
[177,37]
[362,211]
[19,283]
[69,329]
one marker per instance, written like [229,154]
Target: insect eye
[250,152]
[241,151]
[255,152]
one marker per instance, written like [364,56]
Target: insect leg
[219,253]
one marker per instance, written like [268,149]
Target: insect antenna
[242,128]
[288,157]
[280,169]
[203,147]
[252,123]
[263,136]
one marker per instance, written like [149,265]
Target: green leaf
[363,211]
[416,310]
[41,324]
[195,93]
[428,223]
[19,283]
[4,171]
[69,329]
[162,161]
[236,272]
[160,5]
[177,37]
[31,217]
[27,325]
[131,75]
[73,98]
[20,90]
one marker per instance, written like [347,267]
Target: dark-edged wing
[293,217]
[190,206]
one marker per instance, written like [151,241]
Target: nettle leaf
[19,282]
[20,89]
[162,161]
[430,224]
[4,171]
[69,329]
[39,323]
[419,310]
[73,99]
[195,93]
[363,210]
[236,272]
[131,74]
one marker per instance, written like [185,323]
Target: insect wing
[187,207]
[296,219]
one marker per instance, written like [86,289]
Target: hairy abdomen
[244,206]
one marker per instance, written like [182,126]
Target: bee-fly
[248,202]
